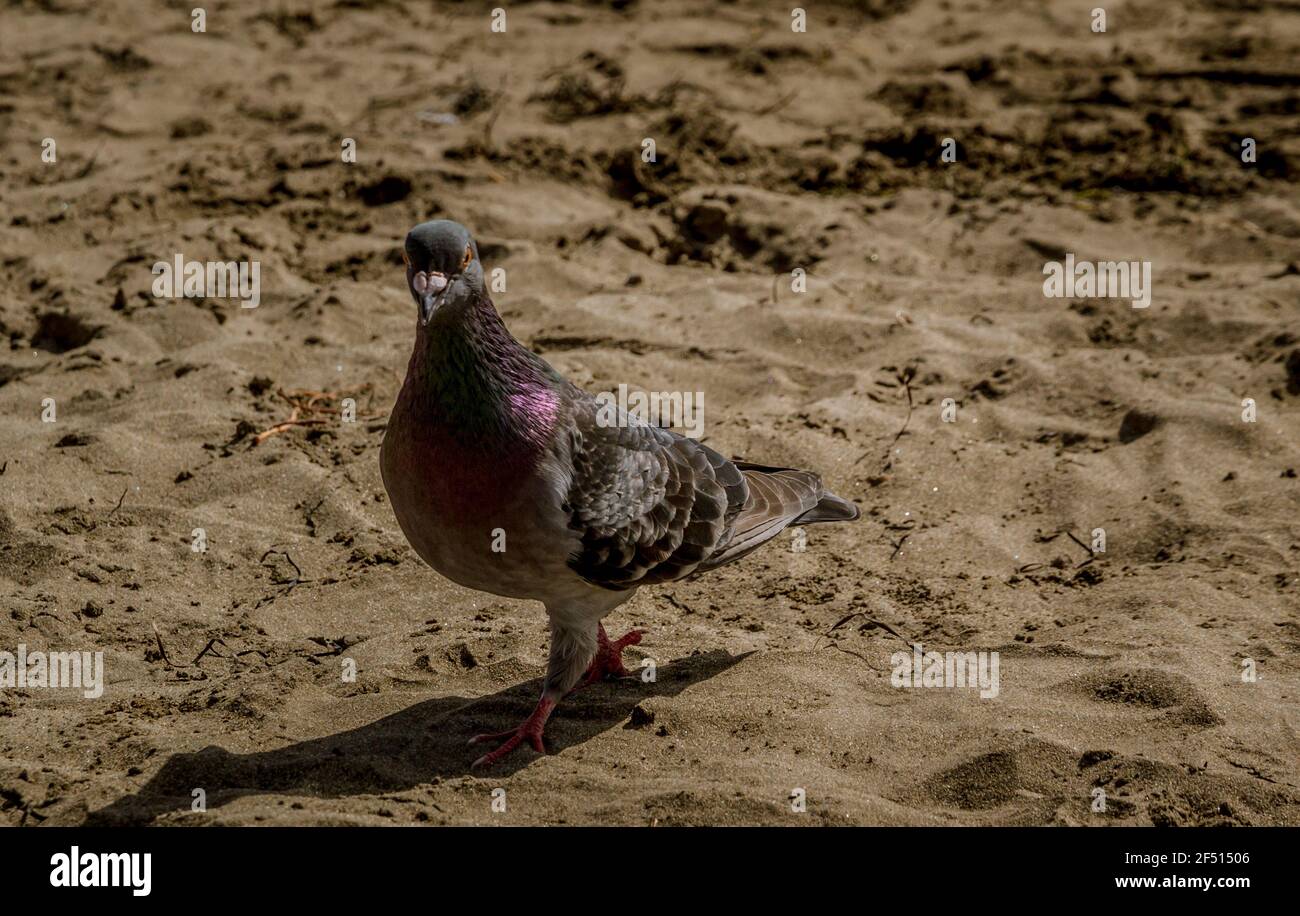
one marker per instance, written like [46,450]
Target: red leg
[608,662]
[530,730]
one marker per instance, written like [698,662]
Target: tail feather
[778,498]
[830,508]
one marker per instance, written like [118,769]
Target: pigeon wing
[649,505]
[778,498]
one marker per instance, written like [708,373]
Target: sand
[1122,698]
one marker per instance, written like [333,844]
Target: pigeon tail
[831,508]
[778,498]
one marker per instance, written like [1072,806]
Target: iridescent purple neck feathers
[470,380]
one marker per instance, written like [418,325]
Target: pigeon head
[443,271]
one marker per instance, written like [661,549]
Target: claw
[608,662]
[492,736]
[530,729]
[516,738]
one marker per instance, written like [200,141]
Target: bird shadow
[400,751]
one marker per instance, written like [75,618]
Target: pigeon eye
[469,256]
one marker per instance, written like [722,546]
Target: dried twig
[209,648]
[835,285]
[89,166]
[308,409]
[1080,543]
[677,604]
[867,619]
[778,104]
[858,655]
[297,572]
[904,377]
[162,650]
[880,623]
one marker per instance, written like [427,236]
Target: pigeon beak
[428,306]
[432,288]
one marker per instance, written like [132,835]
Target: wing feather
[653,506]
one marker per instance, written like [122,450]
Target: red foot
[608,662]
[529,730]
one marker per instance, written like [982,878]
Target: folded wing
[653,506]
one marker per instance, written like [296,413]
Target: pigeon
[507,478]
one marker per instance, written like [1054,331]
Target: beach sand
[1125,692]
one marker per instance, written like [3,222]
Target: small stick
[779,103]
[89,166]
[905,377]
[880,623]
[305,401]
[285,554]
[1079,542]
[161,648]
[208,648]
[860,657]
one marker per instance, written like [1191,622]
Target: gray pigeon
[489,447]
